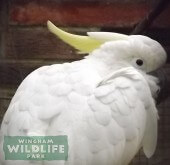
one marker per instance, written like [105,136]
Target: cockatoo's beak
[163,83]
[85,44]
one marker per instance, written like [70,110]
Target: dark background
[26,44]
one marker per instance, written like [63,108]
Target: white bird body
[103,103]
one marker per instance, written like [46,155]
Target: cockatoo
[103,103]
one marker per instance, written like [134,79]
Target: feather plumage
[103,103]
[103,118]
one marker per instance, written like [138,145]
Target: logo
[35,148]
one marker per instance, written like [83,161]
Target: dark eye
[139,62]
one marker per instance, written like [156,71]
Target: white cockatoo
[103,103]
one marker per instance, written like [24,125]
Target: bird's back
[103,118]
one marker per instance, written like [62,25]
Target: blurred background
[26,44]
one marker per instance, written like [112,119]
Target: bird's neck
[105,64]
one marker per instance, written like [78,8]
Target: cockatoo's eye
[139,62]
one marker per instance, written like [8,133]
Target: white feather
[102,103]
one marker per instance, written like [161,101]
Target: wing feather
[150,137]
[124,98]
[105,124]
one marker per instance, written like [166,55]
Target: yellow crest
[85,44]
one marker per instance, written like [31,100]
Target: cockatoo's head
[138,51]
